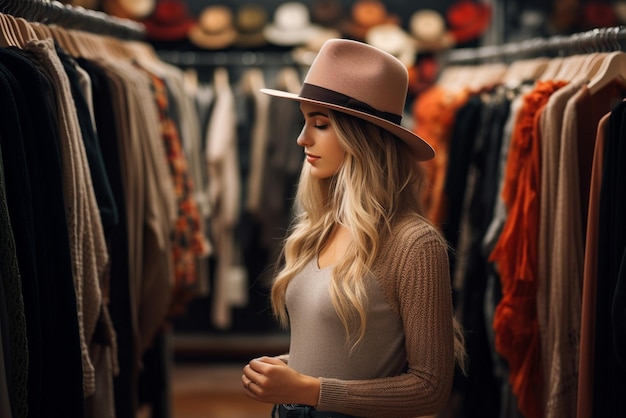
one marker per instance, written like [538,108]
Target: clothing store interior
[138,287]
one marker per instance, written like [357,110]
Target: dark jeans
[303,411]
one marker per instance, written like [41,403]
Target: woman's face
[320,141]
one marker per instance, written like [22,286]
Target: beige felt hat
[215,28]
[393,39]
[363,81]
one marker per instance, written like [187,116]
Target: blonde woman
[364,285]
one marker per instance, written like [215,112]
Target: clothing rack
[227,58]
[595,40]
[73,17]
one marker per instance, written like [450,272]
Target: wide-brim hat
[291,25]
[428,28]
[394,40]
[129,9]
[361,80]
[468,20]
[250,21]
[366,14]
[215,28]
[169,21]
[327,13]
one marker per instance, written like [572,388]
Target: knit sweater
[404,365]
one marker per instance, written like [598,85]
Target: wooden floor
[205,380]
[212,391]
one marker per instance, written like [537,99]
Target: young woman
[364,286]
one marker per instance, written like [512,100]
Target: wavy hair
[378,180]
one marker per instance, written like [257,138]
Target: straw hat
[215,28]
[363,81]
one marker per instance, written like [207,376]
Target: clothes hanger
[141,50]
[7,37]
[456,78]
[26,29]
[11,24]
[594,65]
[569,67]
[613,68]
[579,66]
[42,30]
[524,70]
[535,67]
[62,37]
[552,69]
[488,76]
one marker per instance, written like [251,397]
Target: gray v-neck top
[318,344]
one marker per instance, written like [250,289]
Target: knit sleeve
[414,274]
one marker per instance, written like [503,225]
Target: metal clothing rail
[595,40]
[227,58]
[73,17]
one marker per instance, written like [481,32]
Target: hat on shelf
[599,14]
[129,9]
[619,8]
[565,16]
[428,28]
[169,21]
[87,4]
[468,20]
[250,21]
[305,54]
[394,40]
[327,13]
[366,14]
[291,25]
[214,29]
[361,80]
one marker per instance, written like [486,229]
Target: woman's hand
[269,379]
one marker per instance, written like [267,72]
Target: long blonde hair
[377,181]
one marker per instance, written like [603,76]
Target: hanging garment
[584,398]
[609,377]
[552,340]
[38,217]
[515,256]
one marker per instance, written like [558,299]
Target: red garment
[515,255]
[434,113]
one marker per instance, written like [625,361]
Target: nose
[302,138]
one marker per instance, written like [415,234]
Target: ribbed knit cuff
[333,394]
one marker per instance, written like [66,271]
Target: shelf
[211,347]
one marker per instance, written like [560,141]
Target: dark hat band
[310,91]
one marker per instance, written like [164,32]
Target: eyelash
[321,127]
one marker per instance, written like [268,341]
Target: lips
[311,158]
